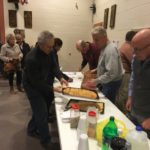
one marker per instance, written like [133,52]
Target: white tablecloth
[68,136]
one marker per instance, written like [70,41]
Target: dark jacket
[56,60]
[24,49]
[141,88]
[38,65]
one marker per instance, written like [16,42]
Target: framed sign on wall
[113,16]
[13,1]
[106,13]
[28,19]
[12,18]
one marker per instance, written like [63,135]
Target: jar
[74,115]
[91,121]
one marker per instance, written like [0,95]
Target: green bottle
[109,131]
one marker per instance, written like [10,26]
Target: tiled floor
[15,113]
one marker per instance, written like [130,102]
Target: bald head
[141,44]
[142,38]
[80,44]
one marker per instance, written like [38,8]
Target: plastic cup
[82,126]
[83,142]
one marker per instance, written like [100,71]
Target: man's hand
[93,71]
[10,59]
[146,124]
[91,85]
[129,103]
[63,82]
[57,89]
[70,80]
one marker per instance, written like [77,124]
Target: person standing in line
[12,56]
[90,54]
[24,47]
[109,69]
[126,52]
[56,48]
[138,102]
[37,88]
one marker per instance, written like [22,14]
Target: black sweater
[37,68]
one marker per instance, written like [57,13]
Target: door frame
[2,22]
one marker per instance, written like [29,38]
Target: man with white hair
[11,55]
[109,69]
[35,80]
[90,54]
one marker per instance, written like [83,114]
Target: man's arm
[84,63]
[130,88]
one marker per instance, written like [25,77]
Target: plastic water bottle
[138,139]
[109,132]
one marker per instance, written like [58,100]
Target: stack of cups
[83,142]
[82,126]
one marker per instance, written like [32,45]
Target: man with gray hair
[36,71]
[109,69]
[24,47]
[90,54]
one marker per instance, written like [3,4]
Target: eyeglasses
[140,49]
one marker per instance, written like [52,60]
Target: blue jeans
[39,108]
[110,89]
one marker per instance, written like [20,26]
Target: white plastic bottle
[138,139]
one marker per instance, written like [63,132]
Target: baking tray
[84,104]
[97,97]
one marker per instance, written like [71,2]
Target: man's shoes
[20,89]
[34,134]
[12,91]
[51,146]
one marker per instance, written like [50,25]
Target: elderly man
[90,54]
[35,80]
[24,47]
[126,51]
[109,69]
[139,88]
[12,55]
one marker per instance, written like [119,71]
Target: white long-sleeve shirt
[8,52]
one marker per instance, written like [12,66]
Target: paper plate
[99,129]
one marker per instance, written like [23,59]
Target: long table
[68,136]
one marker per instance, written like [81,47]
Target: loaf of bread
[80,92]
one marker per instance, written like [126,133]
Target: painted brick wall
[131,14]
[60,17]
